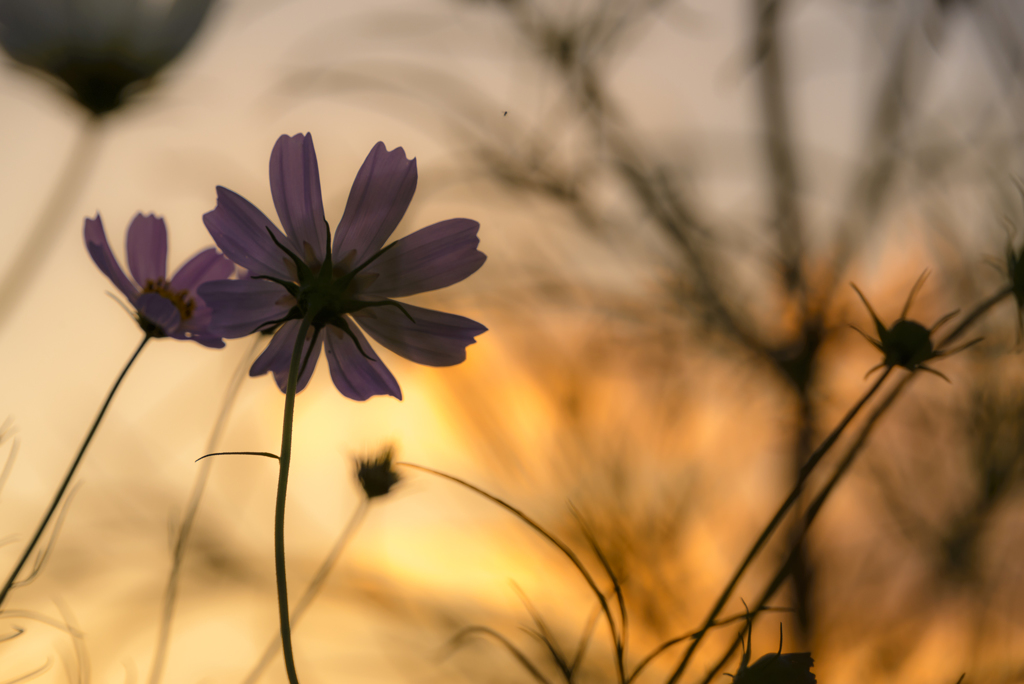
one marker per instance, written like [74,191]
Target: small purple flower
[164,308]
[298,274]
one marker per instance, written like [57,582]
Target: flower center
[180,299]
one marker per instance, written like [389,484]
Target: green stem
[70,474]
[282,491]
[313,589]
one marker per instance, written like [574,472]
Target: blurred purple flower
[298,273]
[102,49]
[164,308]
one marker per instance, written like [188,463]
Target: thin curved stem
[26,264]
[282,492]
[313,589]
[773,524]
[500,638]
[566,551]
[191,508]
[71,472]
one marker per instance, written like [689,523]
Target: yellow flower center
[180,299]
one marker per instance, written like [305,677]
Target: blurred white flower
[103,50]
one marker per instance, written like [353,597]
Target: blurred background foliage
[674,197]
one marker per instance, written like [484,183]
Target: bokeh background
[674,196]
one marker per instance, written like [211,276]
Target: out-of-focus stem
[27,263]
[312,590]
[812,512]
[282,491]
[805,472]
[851,455]
[196,495]
[71,472]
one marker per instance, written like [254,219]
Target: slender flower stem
[282,491]
[313,589]
[851,455]
[812,512]
[187,520]
[71,471]
[805,472]
[974,315]
[26,263]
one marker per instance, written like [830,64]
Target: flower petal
[205,340]
[241,232]
[203,267]
[355,375]
[295,185]
[379,197]
[99,250]
[240,307]
[431,258]
[160,311]
[277,357]
[432,338]
[147,249]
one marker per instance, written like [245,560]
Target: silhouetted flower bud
[377,476]
[778,668]
[1015,271]
[773,668]
[101,49]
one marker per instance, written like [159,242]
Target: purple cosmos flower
[298,273]
[164,308]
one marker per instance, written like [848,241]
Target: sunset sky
[434,77]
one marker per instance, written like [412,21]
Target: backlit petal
[243,233]
[436,256]
[355,375]
[277,357]
[432,338]
[147,249]
[380,195]
[240,307]
[99,250]
[205,340]
[295,185]
[203,267]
